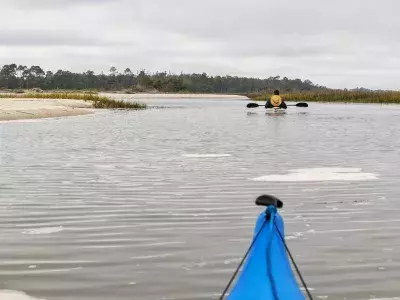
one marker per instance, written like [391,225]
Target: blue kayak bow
[267,273]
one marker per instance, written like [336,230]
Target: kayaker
[275,101]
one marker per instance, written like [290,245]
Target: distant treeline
[15,76]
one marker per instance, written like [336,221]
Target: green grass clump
[105,102]
[98,101]
[382,97]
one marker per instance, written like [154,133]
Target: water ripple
[158,204]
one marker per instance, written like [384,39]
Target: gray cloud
[334,43]
[54,38]
[52,4]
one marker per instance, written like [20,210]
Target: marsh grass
[382,97]
[98,101]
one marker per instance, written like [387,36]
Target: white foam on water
[310,289]
[151,256]
[233,260]
[295,235]
[320,174]
[396,298]
[15,295]
[43,230]
[206,155]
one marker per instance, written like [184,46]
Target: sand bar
[27,108]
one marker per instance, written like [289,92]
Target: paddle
[301,104]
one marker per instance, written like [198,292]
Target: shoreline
[30,108]
[157,96]
[19,108]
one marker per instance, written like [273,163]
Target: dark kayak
[267,272]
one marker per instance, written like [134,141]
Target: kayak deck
[275,111]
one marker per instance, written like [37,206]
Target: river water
[159,204]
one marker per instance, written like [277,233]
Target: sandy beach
[27,108]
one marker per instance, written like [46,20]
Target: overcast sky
[335,43]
